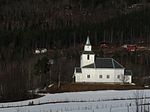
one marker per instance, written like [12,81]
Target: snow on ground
[91,101]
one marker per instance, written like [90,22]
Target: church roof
[88,41]
[90,66]
[107,63]
[88,52]
[104,63]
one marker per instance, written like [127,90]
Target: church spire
[88,55]
[88,46]
[88,41]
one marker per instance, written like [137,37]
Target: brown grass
[76,87]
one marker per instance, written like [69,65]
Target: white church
[100,70]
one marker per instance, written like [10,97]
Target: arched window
[108,76]
[100,76]
[88,57]
[88,76]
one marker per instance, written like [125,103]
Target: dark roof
[88,52]
[107,63]
[89,66]
[117,65]
[104,63]
[78,70]
[128,72]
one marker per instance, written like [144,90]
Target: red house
[104,45]
[131,48]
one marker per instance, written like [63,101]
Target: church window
[118,76]
[100,76]
[108,76]
[88,76]
[88,57]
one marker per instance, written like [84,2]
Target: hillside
[61,27]
[50,23]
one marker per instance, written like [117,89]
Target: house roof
[104,63]
[78,70]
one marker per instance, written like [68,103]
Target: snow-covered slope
[92,101]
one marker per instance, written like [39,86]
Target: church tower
[87,57]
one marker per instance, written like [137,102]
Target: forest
[59,25]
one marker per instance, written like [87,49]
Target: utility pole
[59,75]
[74,39]
[50,62]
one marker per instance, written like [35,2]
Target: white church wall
[107,75]
[78,77]
[102,75]
[95,75]
[119,73]
[128,78]
[88,48]
[88,75]
[85,61]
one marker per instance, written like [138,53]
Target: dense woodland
[64,24]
